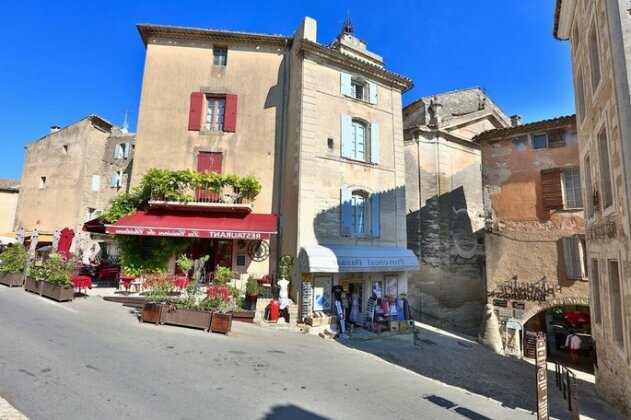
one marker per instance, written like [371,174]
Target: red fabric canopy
[196,225]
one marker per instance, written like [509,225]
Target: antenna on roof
[347,28]
[125,125]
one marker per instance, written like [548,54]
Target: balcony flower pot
[186,317]
[30,285]
[11,279]
[152,313]
[221,322]
[57,291]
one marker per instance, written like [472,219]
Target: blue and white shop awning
[345,259]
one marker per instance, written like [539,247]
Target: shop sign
[186,233]
[519,305]
[542,378]
[500,302]
[531,291]
[347,264]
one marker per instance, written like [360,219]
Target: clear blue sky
[62,60]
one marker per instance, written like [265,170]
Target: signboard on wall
[542,377]
[306,298]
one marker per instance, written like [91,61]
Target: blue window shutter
[374,143]
[127,147]
[96,183]
[372,91]
[345,84]
[114,179]
[346,212]
[375,214]
[116,151]
[347,136]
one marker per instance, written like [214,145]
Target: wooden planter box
[33,286]
[152,312]
[11,279]
[57,292]
[221,323]
[186,318]
[243,316]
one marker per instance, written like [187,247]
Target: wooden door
[208,162]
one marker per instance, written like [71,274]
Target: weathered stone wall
[607,107]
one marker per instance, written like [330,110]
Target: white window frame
[359,147]
[572,192]
[355,83]
[215,113]
[360,201]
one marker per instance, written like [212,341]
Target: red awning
[94,226]
[196,225]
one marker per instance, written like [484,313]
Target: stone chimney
[54,128]
[435,110]
[515,120]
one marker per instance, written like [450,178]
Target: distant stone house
[70,175]
[9,193]
[535,229]
[444,205]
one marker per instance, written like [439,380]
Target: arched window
[360,213]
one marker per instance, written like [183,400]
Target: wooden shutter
[230,117]
[209,162]
[346,212]
[347,136]
[375,215]
[573,257]
[195,111]
[372,91]
[551,194]
[555,138]
[374,143]
[345,84]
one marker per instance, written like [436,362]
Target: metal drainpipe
[281,154]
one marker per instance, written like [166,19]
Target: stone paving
[461,362]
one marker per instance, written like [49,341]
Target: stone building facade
[70,175]
[9,194]
[534,235]
[600,43]
[318,126]
[444,205]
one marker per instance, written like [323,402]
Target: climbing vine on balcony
[170,185]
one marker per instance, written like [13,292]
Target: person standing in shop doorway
[573,343]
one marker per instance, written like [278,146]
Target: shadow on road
[283,412]
[461,362]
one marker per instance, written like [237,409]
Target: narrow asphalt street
[93,359]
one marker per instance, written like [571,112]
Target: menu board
[306,299]
[530,344]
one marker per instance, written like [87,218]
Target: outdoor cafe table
[81,282]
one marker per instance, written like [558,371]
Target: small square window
[329,143]
[240,260]
[358,90]
[220,56]
[42,182]
[539,141]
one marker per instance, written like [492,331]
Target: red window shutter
[230,117]
[195,111]
[551,193]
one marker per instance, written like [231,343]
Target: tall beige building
[70,175]
[600,36]
[319,126]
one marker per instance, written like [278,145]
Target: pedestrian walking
[573,343]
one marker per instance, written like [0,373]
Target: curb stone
[8,412]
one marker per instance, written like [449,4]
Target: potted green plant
[35,279]
[158,288]
[58,272]
[185,264]
[249,188]
[219,295]
[251,293]
[13,264]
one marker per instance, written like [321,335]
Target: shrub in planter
[156,297]
[251,293]
[55,274]
[13,265]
